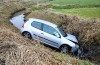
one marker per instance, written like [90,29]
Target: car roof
[43,21]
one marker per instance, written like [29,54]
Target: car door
[49,36]
[36,29]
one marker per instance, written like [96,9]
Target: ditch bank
[17,50]
[18,12]
[87,31]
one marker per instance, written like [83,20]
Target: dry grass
[6,10]
[23,52]
[17,50]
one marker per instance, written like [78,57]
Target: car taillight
[23,25]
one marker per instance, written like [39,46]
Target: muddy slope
[87,31]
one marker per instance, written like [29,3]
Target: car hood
[71,37]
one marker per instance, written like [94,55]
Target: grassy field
[83,8]
[83,12]
[82,2]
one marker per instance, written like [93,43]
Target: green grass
[81,2]
[83,12]
[35,8]
[71,61]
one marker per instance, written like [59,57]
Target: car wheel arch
[69,47]
[25,32]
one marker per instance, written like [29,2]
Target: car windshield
[62,32]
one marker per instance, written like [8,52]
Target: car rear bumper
[21,30]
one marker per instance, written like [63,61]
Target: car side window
[36,24]
[49,29]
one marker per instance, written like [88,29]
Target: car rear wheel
[64,49]
[27,35]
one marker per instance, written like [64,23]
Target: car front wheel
[64,49]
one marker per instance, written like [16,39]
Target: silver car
[50,34]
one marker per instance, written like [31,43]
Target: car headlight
[77,46]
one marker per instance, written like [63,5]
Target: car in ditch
[50,34]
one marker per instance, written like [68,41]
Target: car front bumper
[74,49]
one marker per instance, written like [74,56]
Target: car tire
[64,49]
[27,35]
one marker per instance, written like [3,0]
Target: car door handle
[41,33]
